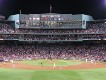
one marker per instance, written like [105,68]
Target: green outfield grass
[51,63]
[15,74]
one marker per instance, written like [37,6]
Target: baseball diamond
[31,70]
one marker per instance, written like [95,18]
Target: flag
[50,8]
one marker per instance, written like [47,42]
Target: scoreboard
[53,20]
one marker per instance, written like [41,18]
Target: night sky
[95,8]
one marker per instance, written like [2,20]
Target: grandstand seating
[17,51]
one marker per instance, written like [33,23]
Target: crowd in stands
[94,36]
[91,28]
[27,52]
[53,37]
[12,36]
[6,28]
[55,51]
[96,28]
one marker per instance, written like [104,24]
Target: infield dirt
[71,67]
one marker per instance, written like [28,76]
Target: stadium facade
[52,27]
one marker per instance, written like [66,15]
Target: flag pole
[20,11]
[50,8]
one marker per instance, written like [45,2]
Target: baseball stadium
[52,46]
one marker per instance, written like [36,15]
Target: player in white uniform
[54,66]
[86,60]
[13,64]
[12,61]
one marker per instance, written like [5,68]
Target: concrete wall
[86,18]
[14,18]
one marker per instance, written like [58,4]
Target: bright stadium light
[105,3]
[33,18]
